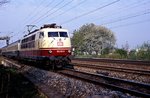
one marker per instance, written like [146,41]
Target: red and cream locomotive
[50,44]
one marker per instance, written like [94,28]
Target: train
[51,45]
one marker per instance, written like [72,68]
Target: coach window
[41,35]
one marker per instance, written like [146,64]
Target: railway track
[126,86]
[134,88]
[140,73]
[110,68]
[119,61]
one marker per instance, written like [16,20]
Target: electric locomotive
[50,45]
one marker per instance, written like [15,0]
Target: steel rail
[137,62]
[109,82]
[120,69]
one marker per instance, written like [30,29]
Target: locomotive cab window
[52,34]
[63,34]
[57,34]
[41,35]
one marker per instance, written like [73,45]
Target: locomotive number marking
[60,51]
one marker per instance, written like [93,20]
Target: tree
[92,38]
[77,42]
[3,2]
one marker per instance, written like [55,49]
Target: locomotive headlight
[69,51]
[49,51]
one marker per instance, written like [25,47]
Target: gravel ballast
[68,87]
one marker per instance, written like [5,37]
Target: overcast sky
[128,19]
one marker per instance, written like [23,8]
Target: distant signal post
[5,38]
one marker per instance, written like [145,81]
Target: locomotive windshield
[57,34]
[63,34]
[52,34]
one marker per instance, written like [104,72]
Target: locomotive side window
[63,34]
[41,35]
[33,37]
[28,42]
[52,34]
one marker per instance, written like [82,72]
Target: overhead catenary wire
[128,17]
[121,10]
[55,10]
[129,24]
[47,12]
[36,13]
[69,9]
[33,11]
[92,11]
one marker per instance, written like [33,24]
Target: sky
[128,19]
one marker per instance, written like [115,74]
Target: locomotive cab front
[55,45]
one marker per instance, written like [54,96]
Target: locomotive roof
[45,30]
[46,27]
[53,29]
[52,26]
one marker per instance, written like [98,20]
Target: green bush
[143,55]
[132,55]
[122,53]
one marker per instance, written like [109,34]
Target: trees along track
[126,86]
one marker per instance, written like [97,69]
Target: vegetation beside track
[0,59]
[91,40]
[15,85]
